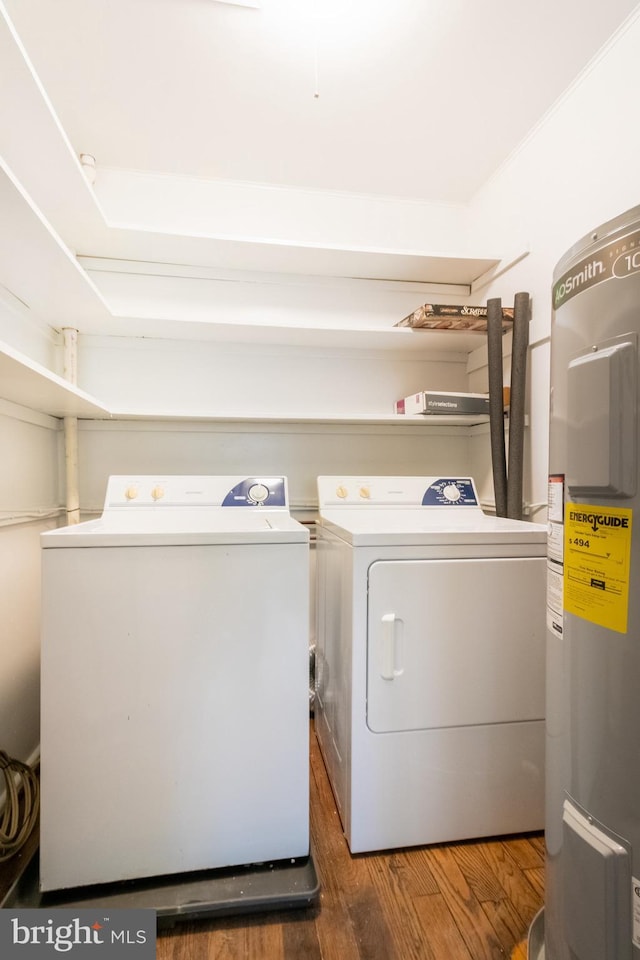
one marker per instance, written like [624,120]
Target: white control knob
[157,493]
[342,492]
[451,493]
[258,493]
[131,493]
[365,493]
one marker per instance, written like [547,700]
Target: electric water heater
[592,888]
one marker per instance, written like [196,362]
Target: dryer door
[455,642]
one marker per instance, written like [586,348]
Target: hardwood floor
[464,901]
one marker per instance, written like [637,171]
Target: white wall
[301,452]
[20,331]
[225,379]
[28,505]
[211,379]
[30,480]
[577,169]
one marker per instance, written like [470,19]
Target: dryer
[175,716]
[430,661]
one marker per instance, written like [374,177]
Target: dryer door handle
[390,641]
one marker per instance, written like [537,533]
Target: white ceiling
[403,98]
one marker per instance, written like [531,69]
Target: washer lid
[210,527]
[187,510]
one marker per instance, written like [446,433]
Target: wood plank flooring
[464,901]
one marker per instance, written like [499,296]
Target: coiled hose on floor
[19,814]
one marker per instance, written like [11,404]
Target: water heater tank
[592,888]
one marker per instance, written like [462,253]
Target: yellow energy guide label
[597,554]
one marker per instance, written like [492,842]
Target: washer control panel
[448,492]
[397,491]
[257,492]
[144,492]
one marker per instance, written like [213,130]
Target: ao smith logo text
[597,520]
[585,276]
[618,259]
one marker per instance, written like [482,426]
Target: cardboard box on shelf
[439,402]
[443,316]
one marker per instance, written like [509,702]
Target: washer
[430,661]
[175,713]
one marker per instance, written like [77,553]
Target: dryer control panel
[397,492]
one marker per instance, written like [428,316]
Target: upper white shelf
[208,286]
[177,301]
[58,288]
[28,384]
[394,420]
[31,385]
[37,269]
[304,259]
